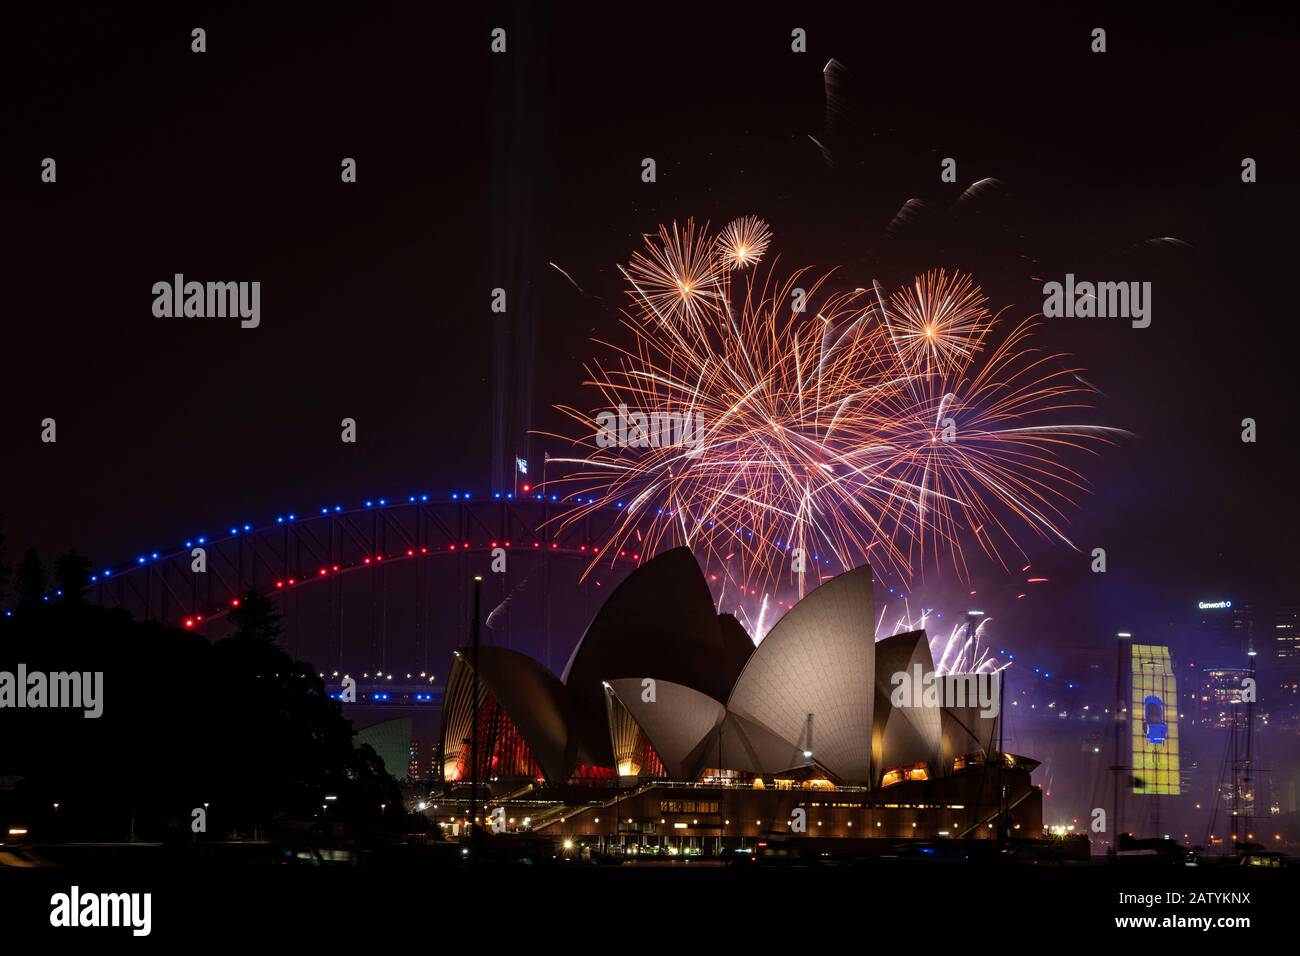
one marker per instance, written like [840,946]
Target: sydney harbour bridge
[387,582]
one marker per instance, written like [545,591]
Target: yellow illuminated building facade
[1153,721]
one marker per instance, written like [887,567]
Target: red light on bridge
[379,557]
[189,622]
[527,488]
[323,571]
[336,567]
[410,552]
[365,560]
[279,584]
[292,582]
[234,602]
[424,550]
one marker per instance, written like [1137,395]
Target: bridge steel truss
[317,550]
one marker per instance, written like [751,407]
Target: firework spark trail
[960,652]
[865,427]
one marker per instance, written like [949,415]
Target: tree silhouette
[72,576]
[30,580]
[256,618]
[236,724]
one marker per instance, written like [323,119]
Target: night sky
[476,170]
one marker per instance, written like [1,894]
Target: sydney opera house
[670,731]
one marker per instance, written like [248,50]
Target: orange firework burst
[678,276]
[791,441]
[743,242]
[937,321]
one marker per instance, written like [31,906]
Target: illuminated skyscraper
[1286,634]
[1226,628]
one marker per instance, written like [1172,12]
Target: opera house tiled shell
[905,741]
[811,681]
[661,685]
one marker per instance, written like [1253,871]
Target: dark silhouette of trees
[256,618]
[72,576]
[29,579]
[235,724]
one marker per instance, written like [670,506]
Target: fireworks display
[678,277]
[960,651]
[743,242]
[834,427]
[938,322]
